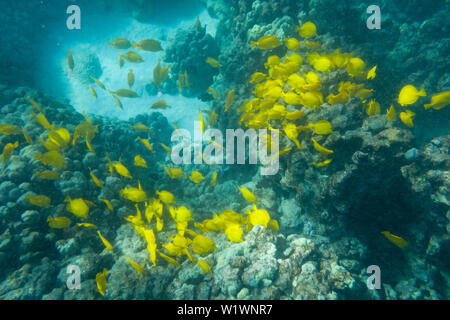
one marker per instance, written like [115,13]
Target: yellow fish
[148,45]
[35,104]
[9,129]
[202,123]
[180,81]
[140,162]
[91,89]
[160,74]
[391,114]
[132,57]
[58,222]
[87,225]
[371,73]
[160,104]
[47,175]
[266,43]
[100,278]
[291,132]
[248,195]
[168,259]
[213,62]
[373,108]
[124,93]
[96,180]
[230,99]
[173,173]
[8,150]
[307,30]
[89,146]
[52,158]
[139,268]
[106,243]
[108,204]
[146,143]
[98,82]
[205,266]
[323,163]
[409,95]
[188,84]
[120,43]
[42,120]
[292,43]
[118,103]
[78,207]
[321,149]
[70,62]
[234,232]
[196,177]
[168,149]
[407,118]
[439,101]
[214,179]
[134,194]
[140,127]
[131,78]
[151,244]
[166,197]
[213,92]
[398,241]
[122,170]
[39,200]
[321,127]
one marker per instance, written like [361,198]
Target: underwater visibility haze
[224,149]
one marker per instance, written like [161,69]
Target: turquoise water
[224,150]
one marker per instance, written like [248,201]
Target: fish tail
[422,92]
[133,44]
[427,106]
[252,44]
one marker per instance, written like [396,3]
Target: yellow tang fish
[371,73]
[214,179]
[146,143]
[168,259]
[38,200]
[140,162]
[140,127]
[132,57]
[230,99]
[292,43]
[188,84]
[321,149]
[391,114]
[35,104]
[8,151]
[78,207]
[134,194]
[168,149]
[53,158]
[409,95]
[120,43]
[42,120]
[307,30]
[160,104]
[58,222]
[166,197]
[407,118]
[122,170]
[213,62]
[180,81]
[108,204]
[398,241]
[9,129]
[234,232]
[196,177]
[96,180]
[205,266]
[321,127]
[148,45]
[202,123]
[266,43]
[248,195]
[139,268]
[439,101]
[89,146]
[70,62]
[124,93]
[47,175]
[214,93]
[118,103]
[173,173]
[98,82]
[373,108]
[106,243]
[323,163]
[100,278]
[151,244]
[131,78]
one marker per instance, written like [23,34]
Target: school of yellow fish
[287,84]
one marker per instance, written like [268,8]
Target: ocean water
[224,149]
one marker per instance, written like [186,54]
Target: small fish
[439,101]
[9,129]
[168,259]
[79,207]
[230,99]
[205,266]
[257,77]
[96,180]
[91,89]
[146,143]
[196,177]
[165,196]
[168,149]
[373,108]
[214,93]
[214,179]
[173,173]
[132,57]
[160,104]
[100,278]
[140,127]
[38,200]
[266,43]
[47,175]
[70,62]
[307,30]
[139,268]
[89,146]
[202,123]
[130,78]
[160,74]
[321,149]
[27,137]
[186,81]
[409,95]
[122,170]
[52,158]
[8,150]
[321,127]
[106,243]
[407,118]
[58,222]
[391,114]
[197,24]
[213,62]
[234,232]
[248,195]
[35,104]
[292,44]
[121,61]
[323,163]
[42,120]
[118,103]
[120,43]
[180,82]
[98,82]
[87,225]
[108,204]
[148,45]
[398,241]
[125,93]
[140,162]
[372,73]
